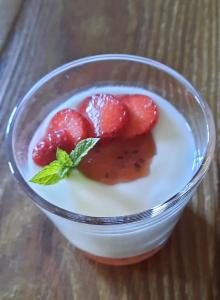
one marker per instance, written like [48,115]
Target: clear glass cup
[122,239]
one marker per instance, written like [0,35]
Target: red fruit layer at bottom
[122,261]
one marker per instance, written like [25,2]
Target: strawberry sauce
[118,160]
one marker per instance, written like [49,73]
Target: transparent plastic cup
[118,240]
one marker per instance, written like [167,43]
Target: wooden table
[36,262]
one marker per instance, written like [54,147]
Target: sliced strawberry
[142,112]
[45,150]
[72,121]
[107,114]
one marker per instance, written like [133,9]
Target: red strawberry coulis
[119,160]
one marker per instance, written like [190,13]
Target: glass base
[122,261]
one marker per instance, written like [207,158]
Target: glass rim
[149,214]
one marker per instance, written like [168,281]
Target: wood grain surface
[36,262]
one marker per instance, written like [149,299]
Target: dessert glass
[118,240]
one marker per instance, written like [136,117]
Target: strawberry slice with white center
[45,150]
[72,121]
[142,114]
[106,113]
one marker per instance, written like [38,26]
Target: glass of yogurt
[127,222]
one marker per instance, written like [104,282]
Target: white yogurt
[168,173]
[172,167]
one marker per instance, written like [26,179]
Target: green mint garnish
[64,158]
[49,175]
[82,149]
[64,163]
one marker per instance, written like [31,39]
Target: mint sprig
[64,163]
[82,150]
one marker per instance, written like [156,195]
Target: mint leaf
[65,172]
[64,158]
[82,149]
[65,162]
[49,175]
